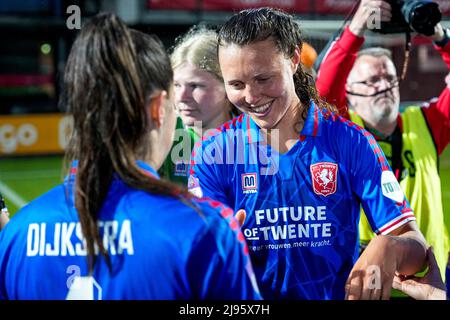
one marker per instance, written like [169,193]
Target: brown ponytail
[110,75]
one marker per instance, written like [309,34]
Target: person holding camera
[366,82]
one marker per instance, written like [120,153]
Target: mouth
[384,98]
[187,110]
[262,110]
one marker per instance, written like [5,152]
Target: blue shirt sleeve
[374,183]
[219,266]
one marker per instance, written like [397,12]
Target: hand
[372,275]
[447,81]
[4,219]
[240,216]
[430,287]
[438,33]
[366,13]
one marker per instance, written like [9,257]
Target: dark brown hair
[111,73]
[253,25]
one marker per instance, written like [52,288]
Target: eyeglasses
[374,84]
[376,81]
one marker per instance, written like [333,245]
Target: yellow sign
[34,134]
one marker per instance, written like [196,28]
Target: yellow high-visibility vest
[420,183]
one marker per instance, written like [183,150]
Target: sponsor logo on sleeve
[390,187]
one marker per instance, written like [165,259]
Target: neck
[383,130]
[153,160]
[148,153]
[285,134]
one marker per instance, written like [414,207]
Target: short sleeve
[375,185]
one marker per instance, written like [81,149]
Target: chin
[262,124]
[188,122]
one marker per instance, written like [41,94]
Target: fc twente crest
[324,177]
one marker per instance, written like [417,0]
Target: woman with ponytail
[300,172]
[113,229]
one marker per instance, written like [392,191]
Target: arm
[3,220]
[403,252]
[430,287]
[4,215]
[399,246]
[342,54]
[410,248]
[336,67]
[437,111]
[219,265]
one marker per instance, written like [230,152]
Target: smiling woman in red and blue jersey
[301,173]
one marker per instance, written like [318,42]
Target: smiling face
[259,81]
[200,96]
[379,75]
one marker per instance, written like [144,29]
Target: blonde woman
[200,97]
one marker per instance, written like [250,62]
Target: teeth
[262,109]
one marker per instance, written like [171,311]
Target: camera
[412,15]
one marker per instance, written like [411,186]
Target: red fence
[325,7]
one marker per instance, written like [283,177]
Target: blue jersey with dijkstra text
[159,247]
[303,206]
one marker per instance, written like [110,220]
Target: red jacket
[336,67]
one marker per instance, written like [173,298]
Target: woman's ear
[296,59]
[156,108]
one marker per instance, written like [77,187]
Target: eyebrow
[233,80]
[258,75]
[264,74]
[191,81]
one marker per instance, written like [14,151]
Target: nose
[383,84]
[252,95]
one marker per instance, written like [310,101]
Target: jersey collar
[252,129]
[141,164]
[146,167]
[313,122]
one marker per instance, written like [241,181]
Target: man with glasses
[366,82]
